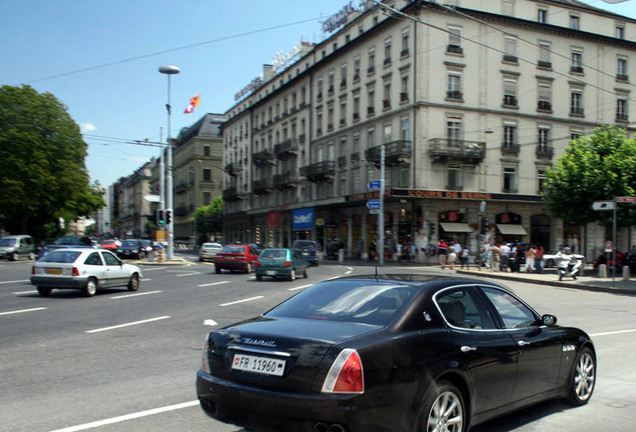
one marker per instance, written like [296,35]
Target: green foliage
[209,218]
[594,168]
[43,175]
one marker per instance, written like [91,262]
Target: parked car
[147,246]
[209,250]
[130,249]
[108,244]
[84,269]
[553,259]
[279,262]
[308,249]
[67,242]
[235,257]
[392,353]
[14,247]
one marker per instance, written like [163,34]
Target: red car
[235,257]
[108,244]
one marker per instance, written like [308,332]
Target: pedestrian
[464,258]
[504,250]
[495,254]
[519,254]
[413,252]
[538,261]
[531,254]
[442,252]
[452,257]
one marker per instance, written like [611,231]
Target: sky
[101,57]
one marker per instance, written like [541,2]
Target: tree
[209,218]
[43,175]
[597,167]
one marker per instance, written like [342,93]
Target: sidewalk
[548,277]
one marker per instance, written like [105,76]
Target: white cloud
[87,127]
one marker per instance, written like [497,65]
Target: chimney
[268,72]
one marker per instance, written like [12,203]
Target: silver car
[209,250]
[84,269]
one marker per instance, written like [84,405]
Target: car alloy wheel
[133,283]
[306,273]
[91,287]
[583,377]
[444,410]
[248,268]
[292,274]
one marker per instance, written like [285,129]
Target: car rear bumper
[241,405]
[74,283]
[274,272]
[231,265]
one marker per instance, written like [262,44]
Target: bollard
[340,255]
[602,271]
[626,274]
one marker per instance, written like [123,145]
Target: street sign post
[626,199]
[603,205]
[375,184]
[373,204]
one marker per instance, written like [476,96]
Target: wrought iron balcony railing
[319,171]
[444,150]
[395,153]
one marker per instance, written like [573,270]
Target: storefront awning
[505,229]
[456,227]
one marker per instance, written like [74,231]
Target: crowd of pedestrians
[495,255]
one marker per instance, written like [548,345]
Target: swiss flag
[194,102]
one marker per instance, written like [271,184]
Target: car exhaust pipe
[321,427]
[336,428]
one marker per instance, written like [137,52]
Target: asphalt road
[124,361]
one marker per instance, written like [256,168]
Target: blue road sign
[373,204]
[375,184]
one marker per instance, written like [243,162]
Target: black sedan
[396,353]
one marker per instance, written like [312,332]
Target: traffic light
[160,218]
[168,216]
[484,224]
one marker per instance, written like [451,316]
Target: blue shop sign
[303,219]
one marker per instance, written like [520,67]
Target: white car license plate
[270,273]
[260,365]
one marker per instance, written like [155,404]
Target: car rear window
[356,302]
[130,243]
[60,257]
[274,253]
[305,245]
[233,249]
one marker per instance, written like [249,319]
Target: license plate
[260,365]
[270,273]
[54,271]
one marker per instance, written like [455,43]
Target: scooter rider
[569,264]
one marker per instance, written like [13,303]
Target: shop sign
[273,220]
[303,219]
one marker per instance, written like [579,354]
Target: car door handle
[523,343]
[466,348]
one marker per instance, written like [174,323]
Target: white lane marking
[241,301]
[154,268]
[25,292]
[16,281]
[348,272]
[135,295]
[214,283]
[210,322]
[188,274]
[299,288]
[127,324]
[613,333]
[22,311]
[127,417]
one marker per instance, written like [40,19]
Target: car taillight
[287,263]
[346,374]
[205,364]
[257,263]
[75,271]
[32,270]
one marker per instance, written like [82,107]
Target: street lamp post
[169,70]
[381,215]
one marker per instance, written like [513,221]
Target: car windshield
[60,256]
[7,241]
[130,243]
[274,253]
[69,241]
[234,249]
[305,244]
[363,301]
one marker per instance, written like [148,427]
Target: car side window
[93,259]
[461,308]
[512,311]
[110,259]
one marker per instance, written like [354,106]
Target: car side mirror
[549,320]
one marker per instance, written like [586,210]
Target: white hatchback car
[209,250]
[84,269]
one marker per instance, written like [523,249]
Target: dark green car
[280,262]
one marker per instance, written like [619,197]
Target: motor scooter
[569,266]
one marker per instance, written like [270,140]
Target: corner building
[473,101]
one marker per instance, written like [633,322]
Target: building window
[356,68]
[510,49]
[343,111]
[318,121]
[453,177]
[510,92]
[386,101]
[508,7]
[621,110]
[356,143]
[388,135]
[371,67]
[356,106]
[576,103]
[330,116]
[575,22]
[207,198]
[544,55]
[620,31]
[207,174]
[543,139]
[319,88]
[454,40]
[404,88]
[371,100]
[454,132]
[542,16]
[206,150]
[454,90]
[387,51]
[371,138]
[621,70]
[575,134]
[343,75]
[545,97]
[331,78]
[405,129]
[577,61]
[510,180]
[510,136]
[405,43]
[542,179]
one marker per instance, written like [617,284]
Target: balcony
[404,97]
[544,64]
[395,153]
[445,150]
[261,187]
[510,148]
[342,161]
[386,104]
[544,106]
[576,69]
[545,151]
[622,117]
[454,49]
[404,52]
[287,149]
[622,77]
[181,188]
[262,158]
[286,181]
[232,169]
[232,194]
[454,95]
[510,101]
[510,58]
[577,112]
[370,111]
[319,172]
